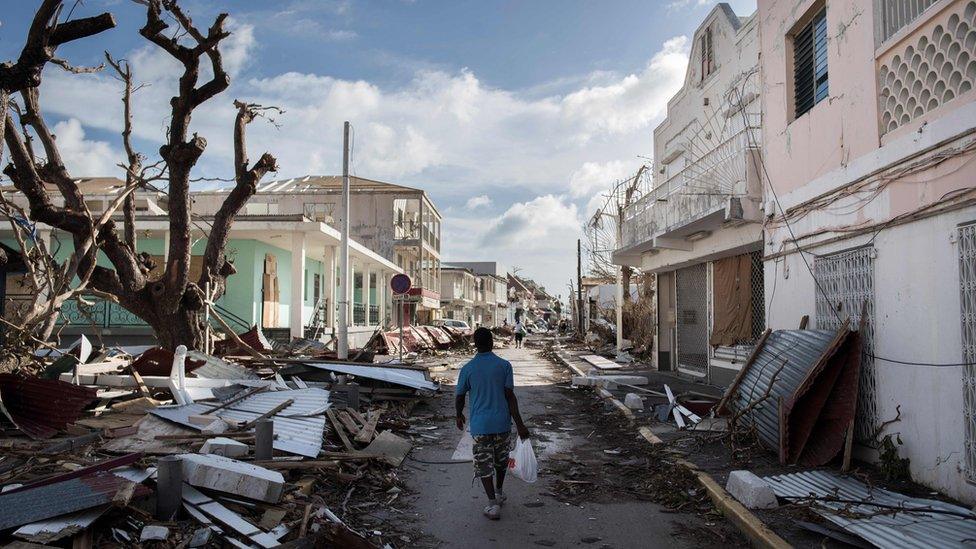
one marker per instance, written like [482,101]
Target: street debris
[270,446]
[881,517]
[798,393]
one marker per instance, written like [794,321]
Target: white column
[165,249]
[351,284]
[381,285]
[295,317]
[367,300]
[330,285]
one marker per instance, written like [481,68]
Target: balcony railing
[374,315]
[702,186]
[106,314]
[359,314]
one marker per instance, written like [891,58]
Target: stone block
[751,491]
[222,446]
[154,533]
[633,401]
[230,476]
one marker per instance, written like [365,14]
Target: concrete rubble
[267,449]
[751,491]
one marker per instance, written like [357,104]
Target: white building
[698,226]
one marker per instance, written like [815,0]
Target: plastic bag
[465,448]
[521,461]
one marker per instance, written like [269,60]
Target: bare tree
[172,304]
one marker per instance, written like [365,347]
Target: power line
[786,222]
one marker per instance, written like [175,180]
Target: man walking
[489,379]
[519,333]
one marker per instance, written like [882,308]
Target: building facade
[399,223]
[697,225]
[492,279]
[458,294]
[869,132]
[286,280]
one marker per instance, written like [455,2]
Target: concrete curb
[743,519]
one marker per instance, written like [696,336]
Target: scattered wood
[339,430]
[369,431]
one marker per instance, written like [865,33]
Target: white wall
[917,318]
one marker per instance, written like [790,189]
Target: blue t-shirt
[486,376]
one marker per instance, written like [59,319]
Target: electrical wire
[762,166]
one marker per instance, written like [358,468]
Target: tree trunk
[183,328]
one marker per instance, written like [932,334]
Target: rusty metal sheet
[918,523]
[65,497]
[100,466]
[808,375]
[42,407]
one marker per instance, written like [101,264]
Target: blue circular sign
[400,284]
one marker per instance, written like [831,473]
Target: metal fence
[845,283]
[359,314]
[374,315]
[967,295]
[692,317]
[758,296]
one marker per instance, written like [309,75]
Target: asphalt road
[446,506]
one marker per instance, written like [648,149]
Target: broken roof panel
[413,378]
[810,375]
[298,428]
[58,499]
[42,407]
[918,523]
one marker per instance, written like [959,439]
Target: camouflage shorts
[490,453]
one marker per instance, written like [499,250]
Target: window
[810,63]
[707,55]
[322,212]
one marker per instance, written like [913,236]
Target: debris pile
[132,446]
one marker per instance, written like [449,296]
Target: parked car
[451,323]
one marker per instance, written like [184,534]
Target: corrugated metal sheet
[784,362]
[215,368]
[415,379]
[62,498]
[294,432]
[42,407]
[99,466]
[920,529]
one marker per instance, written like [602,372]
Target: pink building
[868,138]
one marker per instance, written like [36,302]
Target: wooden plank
[348,422]
[357,416]
[266,415]
[369,431]
[339,430]
[143,390]
[239,398]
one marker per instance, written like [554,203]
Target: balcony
[719,187]
[927,66]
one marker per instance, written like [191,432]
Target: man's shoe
[500,497]
[493,511]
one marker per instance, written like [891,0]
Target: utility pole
[580,315]
[342,346]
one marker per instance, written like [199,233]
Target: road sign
[400,284]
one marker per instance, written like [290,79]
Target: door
[845,283]
[691,322]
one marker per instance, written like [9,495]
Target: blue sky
[513,115]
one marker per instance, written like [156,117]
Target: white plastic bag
[521,461]
[465,448]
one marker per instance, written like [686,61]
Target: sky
[514,115]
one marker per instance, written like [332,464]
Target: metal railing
[894,15]
[374,315]
[359,314]
[702,186]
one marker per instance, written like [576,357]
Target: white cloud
[594,177]
[443,131]
[82,157]
[479,201]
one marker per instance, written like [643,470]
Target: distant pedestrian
[493,407]
[520,332]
